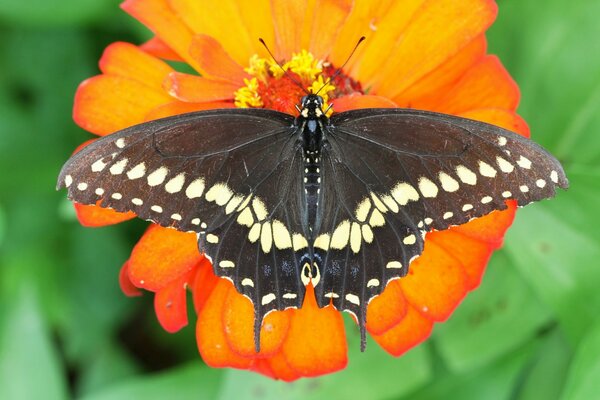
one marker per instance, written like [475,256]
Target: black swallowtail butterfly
[279,202]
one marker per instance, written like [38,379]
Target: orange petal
[502,118]
[327,20]
[281,368]
[425,92]
[162,255]
[437,31]
[436,282]
[257,19]
[288,17]
[492,227]
[160,49]
[486,85]
[105,104]
[204,283]
[471,253]
[160,18]
[386,310]
[170,304]
[125,283]
[95,216]
[215,61]
[129,61]
[180,107]
[195,89]
[316,341]
[210,331]
[221,20]
[238,319]
[356,101]
[413,329]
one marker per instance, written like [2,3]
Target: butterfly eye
[303,100]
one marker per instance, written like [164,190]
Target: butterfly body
[281,202]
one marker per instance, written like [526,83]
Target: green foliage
[531,331]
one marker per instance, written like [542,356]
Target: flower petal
[195,89]
[281,368]
[160,18]
[413,329]
[486,85]
[129,61]
[127,287]
[170,304]
[180,107]
[96,216]
[221,20]
[316,341]
[288,18]
[238,319]
[356,100]
[436,282]
[210,331]
[499,117]
[492,227]
[426,91]
[160,49]
[214,60]
[386,310]
[422,47]
[204,283]
[327,20]
[105,104]
[162,255]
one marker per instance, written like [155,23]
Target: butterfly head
[311,107]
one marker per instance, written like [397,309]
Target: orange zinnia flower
[425,54]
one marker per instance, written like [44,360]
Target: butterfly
[281,202]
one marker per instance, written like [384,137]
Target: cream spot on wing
[210,238]
[175,184]
[247,282]
[352,298]
[373,283]
[506,194]
[504,165]
[486,199]
[410,239]
[137,202]
[427,187]
[390,203]
[68,180]
[376,219]
[466,175]
[290,295]
[554,176]
[502,141]
[259,208]
[233,204]
[524,188]
[157,177]
[394,265]
[82,186]
[176,217]
[281,235]
[378,203]
[362,210]
[268,298]
[428,221]
[266,237]
[98,165]
[322,241]
[99,191]
[118,167]
[219,193]
[341,235]
[137,172]
[540,183]
[156,208]
[120,142]
[367,233]
[299,242]
[403,193]
[524,163]
[195,221]
[355,237]
[226,264]
[486,169]
[254,233]
[195,189]
[245,218]
[448,215]
[117,196]
[449,184]
[331,295]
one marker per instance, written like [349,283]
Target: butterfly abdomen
[312,183]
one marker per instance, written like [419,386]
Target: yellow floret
[247,96]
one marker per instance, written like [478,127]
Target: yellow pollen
[259,67]
[247,96]
[319,85]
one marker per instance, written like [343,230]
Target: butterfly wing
[231,176]
[391,175]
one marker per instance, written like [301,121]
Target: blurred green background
[531,331]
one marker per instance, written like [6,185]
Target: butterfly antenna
[290,77]
[339,70]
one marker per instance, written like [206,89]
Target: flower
[422,54]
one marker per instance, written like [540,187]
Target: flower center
[270,88]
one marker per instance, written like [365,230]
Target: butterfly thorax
[312,121]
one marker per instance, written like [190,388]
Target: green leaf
[47,13]
[582,382]
[496,318]
[192,381]
[29,365]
